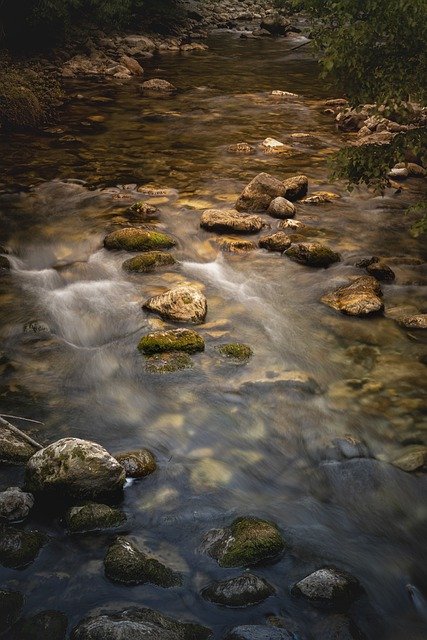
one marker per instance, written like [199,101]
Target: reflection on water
[221,451]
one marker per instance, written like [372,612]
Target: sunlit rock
[413,458]
[235,245]
[418,321]
[185,303]
[295,187]
[281,208]
[157,85]
[312,254]
[320,197]
[279,241]
[148,262]
[240,148]
[259,193]
[229,220]
[362,297]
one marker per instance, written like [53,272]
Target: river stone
[148,261]
[134,239]
[337,627]
[126,564]
[168,362]
[292,224]
[275,242]
[320,197]
[157,85]
[5,264]
[360,298]
[328,588]
[72,468]
[281,208]
[93,516]
[243,591]
[141,210]
[259,193]
[236,245]
[295,188]
[413,458]
[247,541]
[185,340]
[298,381]
[11,603]
[18,548]
[229,220]
[138,463]
[414,170]
[276,25]
[312,254]
[46,625]
[13,448]
[241,148]
[418,321]
[270,145]
[138,624]
[381,271]
[15,504]
[235,351]
[259,632]
[184,303]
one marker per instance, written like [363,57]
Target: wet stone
[313,254]
[185,303]
[361,298]
[185,340]
[141,210]
[93,516]
[381,271]
[229,220]
[4,264]
[328,588]
[171,362]
[289,381]
[259,632]
[148,262]
[138,463]
[18,548]
[413,458]
[295,188]
[279,241]
[281,208]
[320,197]
[337,627]
[417,321]
[241,148]
[15,504]
[243,591]
[236,245]
[158,85]
[13,448]
[235,351]
[259,193]
[11,603]
[133,239]
[46,625]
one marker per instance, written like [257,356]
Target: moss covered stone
[168,362]
[46,625]
[235,351]
[126,564]
[92,517]
[185,340]
[11,603]
[13,448]
[242,591]
[312,254]
[247,541]
[149,261]
[18,548]
[137,464]
[134,239]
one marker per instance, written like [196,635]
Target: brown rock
[276,242]
[361,298]
[295,187]
[259,193]
[226,220]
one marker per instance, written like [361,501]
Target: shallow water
[221,453]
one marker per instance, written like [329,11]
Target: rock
[74,469]
[157,85]
[276,242]
[226,220]
[328,588]
[292,224]
[35,326]
[174,340]
[361,298]
[46,625]
[184,303]
[138,624]
[321,197]
[141,210]
[13,448]
[93,516]
[5,264]
[277,25]
[312,254]
[259,632]
[418,321]
[11,603]
[346,448]
[19,548]
[247,541]
[236,245]
[281,208]
[235,351]
[414,170]
[284,94]
[259,193]
[148,261]
[133,239]
[350,120]
[400,173]
[138,463]
[126,564]
[287,381]
[243,591]
[336,102]
[140,43]
[414,458]
[295,188]
[241,148]
[337,627]
[168,362]
[132,65]
[270,145]
[381,271]
[15,504]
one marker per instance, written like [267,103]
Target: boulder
[241,148]
[275,242]
[295,188]
[277,25]
[11,603]
[229,220]
[381,271]
[413,458]
[259,193]
[236,245]
[243,591]
[281,208]
[418,321]
[18,548]
[126,564]
[184,303]
[13,448]
[45,625]
[134,239]
[74,469]
[168,362]
[320,197]
[132,65]
[185,340]
[312,254]
[148,261]
[235,351]
[414,170]
[259,632]
[247,541]
[361,298]
[138,463]
[93,516]
[328,588]
[15,504]
[292,224]
[157,85]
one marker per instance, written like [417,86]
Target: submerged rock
[259,632]
[18,548]
[141,210]
[11,603]
[243,591]
[281,208]
[270,145]
[236,245]
[93,516]
[298,381]
[168,362]
[157,85]
[184,303]
[185,340]
[148,261]
[13,448]
[226,220]
[15,504]
[247,541]
[276,242]
[418,321]
[321,197]
[126,564]
[295,187]
[134,239]
[413,458]
[360,298]
[259,193]
[337,627]
[74,469]
[235,351]
[241,148]
[46,625]
[313,254]
[328,588]
[381,271]
[138,463]
[5,264]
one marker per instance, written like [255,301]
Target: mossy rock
[185,340]
[18,548]
[248,541]
[149,261]
[13,448]
[93,516]
[235,351]
[137,464]
[168,362]
[46,625]
[126,564]
[134,239]
[312,254]
[11,603]
[243,591]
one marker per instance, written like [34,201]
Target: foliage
[420,226]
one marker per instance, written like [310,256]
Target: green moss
[93,516]
[137,464]
[19,548]
[145,262]
[312,254]
[185,340]
[235,351]
[133,239]
[168,362]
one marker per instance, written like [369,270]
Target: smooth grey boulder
[328,588]
[184,303]
[259,193]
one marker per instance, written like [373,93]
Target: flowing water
[221,452]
